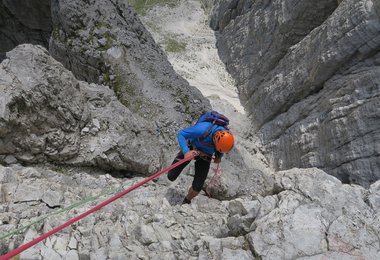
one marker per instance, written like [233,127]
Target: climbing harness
[92,210]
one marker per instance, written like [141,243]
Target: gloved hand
[191,153]
[217,160]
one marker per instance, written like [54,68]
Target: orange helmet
[224,141]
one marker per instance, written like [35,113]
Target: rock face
[146,223]
[314,216]
[49,116]
[46,114]
[100,42]
[24,22]
[310,215]
[105,42]
[308,75]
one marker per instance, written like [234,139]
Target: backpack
[215,118]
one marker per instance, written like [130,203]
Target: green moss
[59,168]
[124,92]
[142,6]
[207,6]
[109,41]
[117,87]
[127,92]
[100,24]
[55,33]
[129,95]
[172,45]
[106,78]
[153,26]
[110,38]
[184,100]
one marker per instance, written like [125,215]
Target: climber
[209,136]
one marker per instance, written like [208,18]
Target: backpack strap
[206,134]
[219,119]
[208,131]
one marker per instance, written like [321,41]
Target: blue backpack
[215,118]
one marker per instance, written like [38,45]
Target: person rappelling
[210,136]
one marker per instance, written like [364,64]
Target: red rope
[68,223]
[215,180]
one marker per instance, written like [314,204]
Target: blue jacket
[194,135]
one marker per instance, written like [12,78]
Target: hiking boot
[206,192]
[186,201]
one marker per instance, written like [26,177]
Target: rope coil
[215,181]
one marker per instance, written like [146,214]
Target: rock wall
[307,72]
[309,215]
[105,42]
[47,115]
[101,42]
[314,216]
[24,22]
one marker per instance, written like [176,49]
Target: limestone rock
[316,215]
[309,215]
[373,197]
[48,116]
[105,42]
[44,112]
[146,235]
[237,179]
[24,22]
[308,74]
[141,224]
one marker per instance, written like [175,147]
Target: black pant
[202,166]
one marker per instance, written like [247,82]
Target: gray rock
[10,159]
[24,22]
[230,254]
[52,198]
[46,112]
[313,208]
[27,192]
[308,80]
[146,235]
[242,208]
[71,255]
[48,115]
[237,179]
[96,40]
[373,197]
[312,214]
